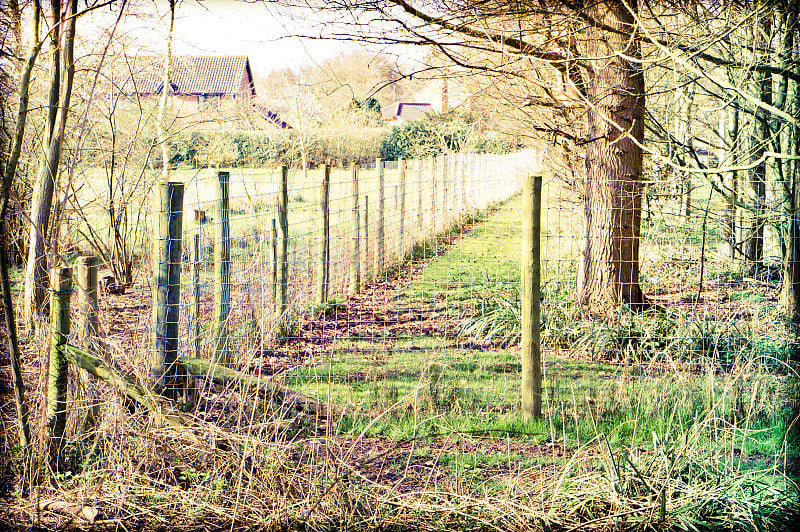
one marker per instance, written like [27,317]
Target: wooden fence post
[274,248]
[420,163]
[366,273]
[88,325]
[283,250]
[194,316]
[446,190]
[88,329]
[222,270]
[434,226]
[324,246]
[531,350]
[464,157]
[401,251]
[381,230]
[56,421]
[167,235]
[194,308]
[355,222]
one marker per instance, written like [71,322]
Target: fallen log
[125,384]
[80,511]
[199,368]
[288,397]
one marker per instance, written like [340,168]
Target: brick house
[206,92]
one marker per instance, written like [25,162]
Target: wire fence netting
[392,291]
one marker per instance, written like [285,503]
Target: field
[680,417]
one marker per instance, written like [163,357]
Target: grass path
[399,361]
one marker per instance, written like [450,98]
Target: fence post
[434,195]
[419,193]
[88,324]
[222,269]
[274,248]
[381,236]
[88,329]
[61,289]
[446,190]
[167,234]
[531,350]
[194,316]
[394,237]
[366,273]
[283,249]
[324,247]
[355,222]
[194,308]
[464,171]
[400,252]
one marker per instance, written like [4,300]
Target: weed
[498,317]
[327,309]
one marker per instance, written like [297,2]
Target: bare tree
[9,165]
[62,40]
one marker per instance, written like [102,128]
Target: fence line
[326,224]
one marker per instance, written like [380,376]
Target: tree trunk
[790,144]
[683,109]
[9,172]
[165,93]
[730,133]
[36,275]
[609,274]
[41,201]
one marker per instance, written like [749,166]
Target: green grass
[682,417]
[429,385]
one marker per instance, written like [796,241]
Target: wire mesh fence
[393,290]
[372,320]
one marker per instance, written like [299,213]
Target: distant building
[399,113]
[209,92]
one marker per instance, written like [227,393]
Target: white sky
[259,30]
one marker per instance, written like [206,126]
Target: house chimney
[445,100]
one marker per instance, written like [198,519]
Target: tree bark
[609,273]
[36,275]
[730,225]
[9,172]
[165,93]
[790,144]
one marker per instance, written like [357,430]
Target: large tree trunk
[609,274]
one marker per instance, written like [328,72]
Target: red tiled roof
[193,75]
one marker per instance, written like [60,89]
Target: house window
[208,102]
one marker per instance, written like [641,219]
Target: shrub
[434,135]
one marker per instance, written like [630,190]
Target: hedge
[271,148]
